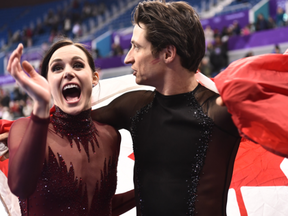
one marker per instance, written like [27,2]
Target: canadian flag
[255,92]
[259,184]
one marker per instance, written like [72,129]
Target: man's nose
[129,58]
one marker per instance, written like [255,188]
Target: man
[184,143]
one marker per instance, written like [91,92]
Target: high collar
[174,100]
[78,128]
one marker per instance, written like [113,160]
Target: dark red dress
[78,176]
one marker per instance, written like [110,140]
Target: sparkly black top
[184,147]
[78,176]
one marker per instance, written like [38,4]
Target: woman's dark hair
[174,23]
[59,44]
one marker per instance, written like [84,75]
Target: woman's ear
[95,78]
[170,53]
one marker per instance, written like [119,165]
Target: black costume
[184,147]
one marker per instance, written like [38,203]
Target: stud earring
[93,85]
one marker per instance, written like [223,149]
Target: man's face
[149,70]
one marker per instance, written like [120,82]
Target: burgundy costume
[78,175]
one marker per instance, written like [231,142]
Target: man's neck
[178,83]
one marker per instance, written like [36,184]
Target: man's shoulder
[203,94]
[139,96]
[145,93]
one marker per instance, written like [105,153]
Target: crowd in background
[64,22]
[69,22]
[216,57]
[16,103]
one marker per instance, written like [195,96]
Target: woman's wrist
[41,110]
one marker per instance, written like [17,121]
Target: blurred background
[233,30]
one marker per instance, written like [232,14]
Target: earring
[93,85]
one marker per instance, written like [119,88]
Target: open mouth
[71,92]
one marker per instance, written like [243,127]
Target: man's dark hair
[173,23]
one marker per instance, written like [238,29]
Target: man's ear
[95,78]
[170,53]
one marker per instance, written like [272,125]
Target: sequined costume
[78,176]
[184,147]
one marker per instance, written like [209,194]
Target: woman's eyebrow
[59,60]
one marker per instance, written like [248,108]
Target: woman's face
[70,78]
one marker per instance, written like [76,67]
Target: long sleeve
[27,145]
[119,112]
[123,202]
[255,92]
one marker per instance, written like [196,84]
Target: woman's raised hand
[34,84]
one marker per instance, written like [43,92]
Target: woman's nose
[68,74]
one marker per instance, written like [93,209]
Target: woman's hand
[35,85]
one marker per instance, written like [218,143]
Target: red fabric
[131,156]
[255,92]
[4,167]
[5,125]
[255,166]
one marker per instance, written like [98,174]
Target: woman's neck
[78,128]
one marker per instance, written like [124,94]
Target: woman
[63,163]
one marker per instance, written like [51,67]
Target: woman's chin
[72,110]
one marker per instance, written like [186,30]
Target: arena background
[18,3]
[260,179]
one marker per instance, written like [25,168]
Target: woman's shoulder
[21,122]
[17,132]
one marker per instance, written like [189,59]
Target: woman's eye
[78,65]
[57,68]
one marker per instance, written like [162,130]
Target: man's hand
[219,101]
